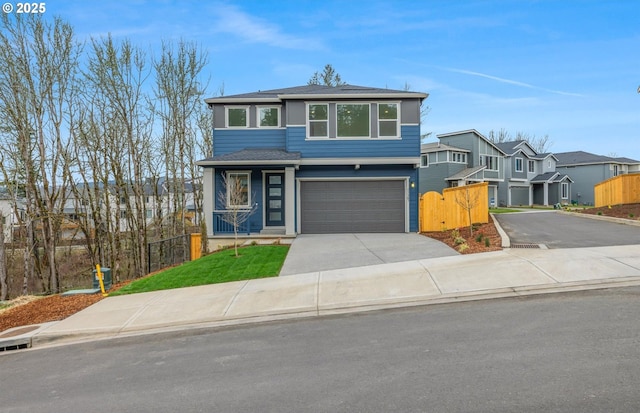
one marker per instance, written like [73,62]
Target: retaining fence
[447,211]
[621,189]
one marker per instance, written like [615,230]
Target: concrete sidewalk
[506,273]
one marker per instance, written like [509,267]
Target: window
[518,164]
[532,166]
[268,117]
[318,118]
[149,213]
[237,117]
[388,119]
[352,120]
[238,189]
[424,161]
[123,214]
[491,162]
[123,200]
[565,190]
[458,157]
[615,170]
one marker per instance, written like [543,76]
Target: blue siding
[232,140]
[256,195]
[409,145]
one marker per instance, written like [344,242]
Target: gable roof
[511,147]
[472,131]
[465,173]
[551,177]
[586,158]
[318,92]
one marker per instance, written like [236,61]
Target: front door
[274,189]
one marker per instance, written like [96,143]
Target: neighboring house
[461,158]
[531,177]
[516,173]
[316,159]
[588,169]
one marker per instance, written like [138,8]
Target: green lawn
[258,261]
[503,210]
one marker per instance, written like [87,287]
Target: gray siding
[433,177]
[585,177]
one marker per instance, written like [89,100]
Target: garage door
[352,206]
[519,195]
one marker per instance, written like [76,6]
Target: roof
[318,92]
[252,157]
[511,147]
[465,173]
[473,131]
[586,158]
[437,146]
[550,177]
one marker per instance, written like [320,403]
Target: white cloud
[233,21]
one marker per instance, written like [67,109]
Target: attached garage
[346,206]
[519,195]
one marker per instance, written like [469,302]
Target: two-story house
[316,159]
[588,169]
[516,173]
[461,158]
[531,177]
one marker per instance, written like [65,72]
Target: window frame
[424,160]
[368,123]
[258,118]
[458,157]
[531,166]
[234,107]
[227,195]
[308,120]
[484,161]
[519,161]
[381,121]
[564,190]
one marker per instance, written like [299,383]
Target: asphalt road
[557,230]
[577,352]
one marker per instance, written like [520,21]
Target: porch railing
[220,226]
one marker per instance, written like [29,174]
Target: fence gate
[447,211]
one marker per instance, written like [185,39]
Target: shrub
[463,247]
[487,242]
[630,215]
[599,212]
[479,238]
[459,240]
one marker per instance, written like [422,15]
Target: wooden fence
[448,211]
[621,189]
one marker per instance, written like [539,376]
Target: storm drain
[524,245]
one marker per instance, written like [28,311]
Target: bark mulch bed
[27,310]
[628,211]
[485,238]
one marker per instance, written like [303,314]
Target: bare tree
[328,77]
[468,200]
[539,144]
[236,198]
[3,262]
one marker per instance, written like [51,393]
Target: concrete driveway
[560,230]
[321,252]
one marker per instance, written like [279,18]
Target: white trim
[258,107]
[308,121]
[407,194]
[372,95]
[397,119]
[521,165]
[247,115]
[249,162]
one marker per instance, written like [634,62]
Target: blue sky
[567,69]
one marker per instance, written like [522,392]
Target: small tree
[467,201]
[328,77]
[235,196]
[3,263]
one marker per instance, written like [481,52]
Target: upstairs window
[424,161]
[318,121]
[518,164]
[532,166]
[458,157]
[388,119]
[268,117]
[491,162]
[353,120]
[237,117]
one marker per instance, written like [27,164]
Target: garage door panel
[352,206]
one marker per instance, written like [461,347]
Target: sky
[569,70]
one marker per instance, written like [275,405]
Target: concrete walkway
[506,273]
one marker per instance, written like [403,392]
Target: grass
[220,267]
[503,210]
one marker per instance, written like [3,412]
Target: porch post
[530,195]
[546,193]
[289,201]
[208,202]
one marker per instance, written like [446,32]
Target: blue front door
[274,189]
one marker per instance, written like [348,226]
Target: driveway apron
[322,252]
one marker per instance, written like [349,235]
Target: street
[572,352]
